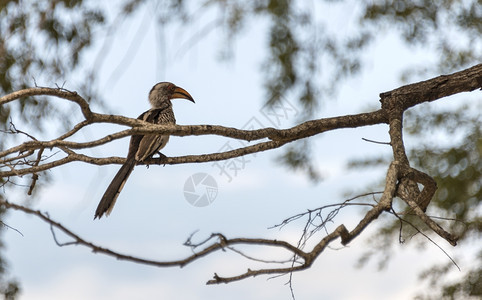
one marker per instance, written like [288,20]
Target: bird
[142,147]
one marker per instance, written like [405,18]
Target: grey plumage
[142,147]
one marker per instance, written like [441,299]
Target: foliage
[8,287]
[44,41]
[449,28]
[457,168]
[469,286]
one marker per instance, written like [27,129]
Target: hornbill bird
[142,147]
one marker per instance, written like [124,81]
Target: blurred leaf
[305,60]
[298,157]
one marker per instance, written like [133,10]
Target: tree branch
[401,180]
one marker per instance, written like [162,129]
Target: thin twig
[375,142]
[10,227]
[426,236]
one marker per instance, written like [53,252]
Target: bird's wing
[151,143]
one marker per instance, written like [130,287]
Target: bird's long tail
[107,202]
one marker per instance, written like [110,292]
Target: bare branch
[59,92]
[376,142]
[34,175]
[433,89]
[401,179]
[77,240]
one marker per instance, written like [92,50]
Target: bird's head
[163,92]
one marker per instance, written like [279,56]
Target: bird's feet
[162,158]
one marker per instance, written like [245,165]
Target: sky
[152,217]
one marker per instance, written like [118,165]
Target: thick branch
[300,131]
[384,204]
[61,93]
[429,90]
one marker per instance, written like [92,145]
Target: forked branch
[401,180]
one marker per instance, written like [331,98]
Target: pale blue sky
[155,223]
